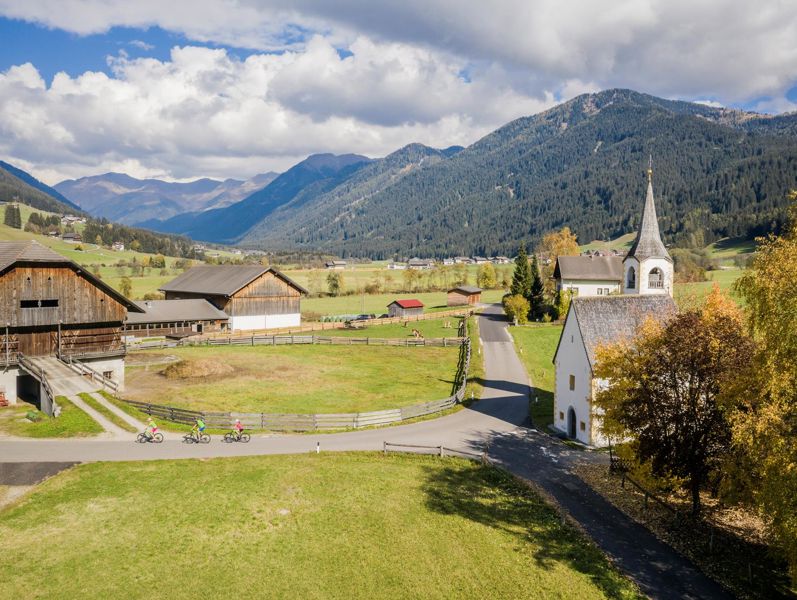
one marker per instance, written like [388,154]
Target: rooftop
[162,311]
[221,280]
[591,268]
[466,289]
[408,303]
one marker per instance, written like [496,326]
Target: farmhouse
[405,308]
[252,296]
[420,263]
[463,295]
[591,321]
[589,275]
[53,308]
[73,238]
[335,265]
[175,318]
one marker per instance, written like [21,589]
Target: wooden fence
[282,340]
[441,451]
[317,422]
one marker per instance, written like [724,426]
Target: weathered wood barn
[252,296]
[51,306]
[405,308]
[175,318]
[464,295]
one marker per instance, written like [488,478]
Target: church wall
[628,264]
[571,359]
[643,276]
[590,287]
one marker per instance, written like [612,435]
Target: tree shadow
[494,498]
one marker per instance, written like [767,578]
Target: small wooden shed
[464,295]
[405,308]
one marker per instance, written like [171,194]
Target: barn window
[107,374]
[48,303]
[572,382]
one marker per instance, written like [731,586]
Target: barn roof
[466,289]
[607,319]
[31,252]
[221,280]
[163,311]
[590,268]
[408,303]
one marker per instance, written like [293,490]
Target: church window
[572,382]
[631,283]
[561,416]
[656,279]
[582,425]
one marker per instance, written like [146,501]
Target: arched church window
[656,279]
[631,283]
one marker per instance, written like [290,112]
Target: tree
[517,308]
[553,245]
[126,287]
[335,283]
[536,290]
[13,218]
[521,278]
[135,246]
[765,426]
[485,276]
[670,389]
[411,277]
[98,240]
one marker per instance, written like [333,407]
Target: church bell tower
[648,267]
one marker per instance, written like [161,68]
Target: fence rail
[84,370]
[441,451]
[316,422]
[282,340]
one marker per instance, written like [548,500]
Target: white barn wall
[251,322]
[287,320]
[8,384]
[115,365]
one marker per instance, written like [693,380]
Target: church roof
[607,319]
[648,242]
[590,268]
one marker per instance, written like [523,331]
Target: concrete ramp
[63,380]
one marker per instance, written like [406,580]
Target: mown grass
[476,376]
[310,526]
[447,327]
[110,415]
[536,345]
[72,421]
[690,294]
[300,379]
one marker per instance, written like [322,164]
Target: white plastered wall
[571,359]
[251,322]
[588,288]
[115,365]
[8,384]
[644,270]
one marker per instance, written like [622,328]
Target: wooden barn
[405,308]
[464,295]
[175,318]
[53,307]
[252,296]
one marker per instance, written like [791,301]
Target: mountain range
[124,199]
[717,172]
[17,185]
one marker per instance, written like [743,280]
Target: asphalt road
[498,422]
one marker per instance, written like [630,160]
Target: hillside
[718,173]
[319,172]
[119,197]
[18,186]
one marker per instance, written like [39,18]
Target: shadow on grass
[492,497]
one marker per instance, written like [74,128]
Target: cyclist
[151,429]
[200,427]
[239,428]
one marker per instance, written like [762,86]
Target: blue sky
[190,88]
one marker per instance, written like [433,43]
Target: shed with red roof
[405,308]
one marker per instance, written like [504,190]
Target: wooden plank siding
[266,295]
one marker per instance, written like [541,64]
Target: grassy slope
[72,422]
[536,345]
[342,525]
[110,415]
[689,293]
[333,379]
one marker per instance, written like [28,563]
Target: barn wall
[266,295]
[79,301]
[219,302]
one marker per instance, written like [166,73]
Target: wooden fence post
[384,447]
[441,451]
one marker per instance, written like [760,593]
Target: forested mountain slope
[17,185]
[718,173]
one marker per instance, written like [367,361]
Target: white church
[646,291]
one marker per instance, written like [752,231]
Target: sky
[183,89]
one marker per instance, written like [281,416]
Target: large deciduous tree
[486,277]
[765,426]
[554,244]
[668,389]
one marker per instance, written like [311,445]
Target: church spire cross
[650,168]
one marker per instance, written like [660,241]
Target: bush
[517,308]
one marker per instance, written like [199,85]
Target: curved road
[499,421]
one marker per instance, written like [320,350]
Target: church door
[571,423]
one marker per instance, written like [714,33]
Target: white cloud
[141,45]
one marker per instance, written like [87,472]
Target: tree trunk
[694,486]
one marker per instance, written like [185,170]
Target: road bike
[234,436]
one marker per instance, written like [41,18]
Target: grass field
[536,345]
[311,526]
[72,422]
[298,379]
[108,414]
[377,303]
[687,294]
[433,328]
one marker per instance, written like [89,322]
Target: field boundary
[321,421]
[287,340]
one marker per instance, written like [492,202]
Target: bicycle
[234,436]
[192,438]
[144,437]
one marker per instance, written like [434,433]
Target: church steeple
[648,242]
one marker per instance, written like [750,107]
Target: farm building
[463,295]
[335,265]
[405,308]
[252,296]
[73,238]
[176,318]
[53,307]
